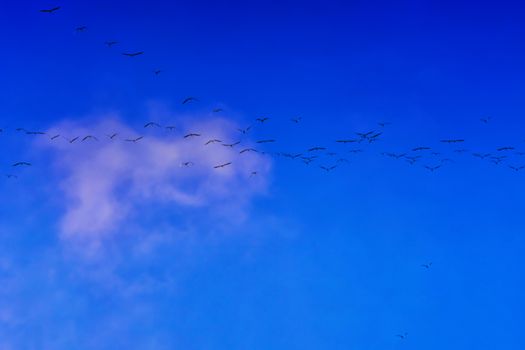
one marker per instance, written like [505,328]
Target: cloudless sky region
[141,238]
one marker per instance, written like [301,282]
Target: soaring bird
[402,336]
[426,266]
[266,141]
[485,119]
[73,139]
[383,124]
[133,54]
[157,71]
[212,141]
[432,168]
[135,140]
[516,168]
[187,164]
[328,169]
[191,135]
[51,10]
[420,149]
[22,164]
[296,120]
[231,144]
[317,149]
[347,141]
[55,137]
[505,149]
[262,119]
[217,110]
[244,131]
[150,124]
[11,176]
[89,137]
[111,43]
[81,29]
[188,100]
[248,150]
[35,133]
[364,135]
[222,165]
[112,136]
[452,141]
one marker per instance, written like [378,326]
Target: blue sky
[108,245]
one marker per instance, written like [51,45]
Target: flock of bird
[324,158]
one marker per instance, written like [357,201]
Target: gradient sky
[102,248]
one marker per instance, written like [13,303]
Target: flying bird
[347,141]
[191,135]
[221,165]
[452,141]
[89,137]
[317,149]
[80,29]
[111,43]
[187,164]
[73,139]
[212,141]
[55,137]
[133,54]
[426,266]
[432,168]
[266,141]
[328,169]
[21,164]
[135,140]
[420,149]
[188,100]
[51,10]
[262,119]
[485,120]
[150,124]
[516,168]
[296,120]
[231,144]
[248,150]
[505,149]
[157,71]
[244,131]
[217,110]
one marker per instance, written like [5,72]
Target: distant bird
[21,164]
[452,141]
[187,164]
[266,141]
[262,119]
[343,160]
[426,266]
[133,54]
[111,43]
[80,29]
[73,139]
[247,150]
[402,336]
[231,144]
[150,124]
[328,169]
[485,119]
[217,110]
[317,149]
[347,141]
[55,137]
[296,120]
[355,150]
[188,100]
[191,135]
[221,165]
[112,136]
[374,137]
[245,130]
[516,168]
[212,141]
[364,135]
[89,137]
[51,10]
[253,173]
[383,124]
[35,133]
[432,168]
[461,150]
[135,140]
[11,176]
[482,156]
[157,71]
[505,149]
[420,149]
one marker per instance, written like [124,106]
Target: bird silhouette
[212,141]
[133,54]
[188,100]
[51,10]
[191,135]
[21,164]
[135,140]
[221,165]
[262,119]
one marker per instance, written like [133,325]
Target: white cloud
[103,182]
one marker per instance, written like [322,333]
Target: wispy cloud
[104,182]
